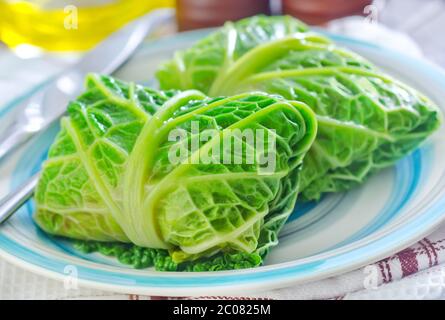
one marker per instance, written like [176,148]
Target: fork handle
[14,200]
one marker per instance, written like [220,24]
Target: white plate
[392,210]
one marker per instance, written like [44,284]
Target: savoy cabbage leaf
[160,259]
[109,176]
[367,120]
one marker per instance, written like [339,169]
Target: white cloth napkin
[416,273]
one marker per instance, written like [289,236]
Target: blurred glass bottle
[195,14]
[63,25]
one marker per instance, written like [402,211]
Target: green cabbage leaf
[367,120]
[142,258]
[109,176]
